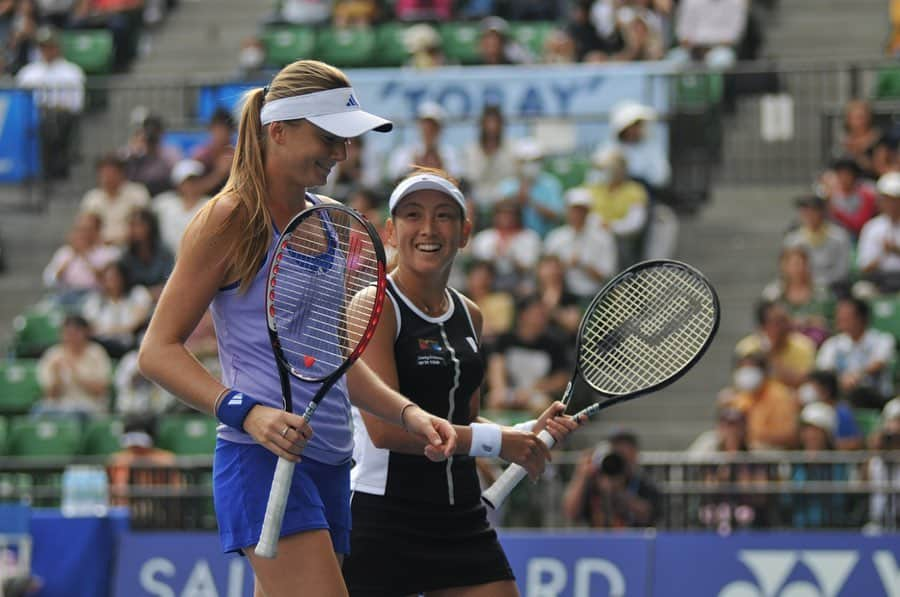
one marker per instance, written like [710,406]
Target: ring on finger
[284,432]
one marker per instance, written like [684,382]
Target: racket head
[646,328]
[325,291]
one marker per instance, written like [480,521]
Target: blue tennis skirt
[242,476]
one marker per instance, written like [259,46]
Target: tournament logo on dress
[431,353]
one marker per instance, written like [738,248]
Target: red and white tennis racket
[328,258]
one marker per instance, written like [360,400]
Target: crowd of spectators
[818,373]
[815,375]
[21,23]
[711,32]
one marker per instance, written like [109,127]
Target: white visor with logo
[334,110]
[423,182]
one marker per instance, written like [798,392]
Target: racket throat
[310,409]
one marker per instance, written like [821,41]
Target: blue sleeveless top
[248,365]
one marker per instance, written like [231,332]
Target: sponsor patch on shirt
[431,353]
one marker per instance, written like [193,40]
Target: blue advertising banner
[777,565]
[523,91]
[579,564]
[19,144]
[170,564]
[585,92]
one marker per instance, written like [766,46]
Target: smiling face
[427,229]
[305,152]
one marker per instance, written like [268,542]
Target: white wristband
[486,439]
[526,426]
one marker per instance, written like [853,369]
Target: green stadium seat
[346,46]
[4,434]
[91,49]
[461,41]
[187,434]
[44,437]
[19,387]
[868,420]
[698,90]
[886,315]
[570,170]
[35,331]
[887,83]
[287,44]
[532,34]
[102,437]
[390,49]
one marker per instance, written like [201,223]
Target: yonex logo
[487,448]
[771,569]
[352,101]
[236,400]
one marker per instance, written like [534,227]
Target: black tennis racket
[644,329]
[325,291]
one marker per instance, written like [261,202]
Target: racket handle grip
[271,529]
[496,494]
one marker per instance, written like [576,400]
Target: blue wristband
[233,408]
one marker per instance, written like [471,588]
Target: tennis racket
[326,288]
[644,329]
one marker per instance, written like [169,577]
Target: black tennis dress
[420,525]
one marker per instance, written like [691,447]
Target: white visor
[426,182]
[334,110]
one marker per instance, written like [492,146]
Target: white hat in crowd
[579,196]
[527,150]
[431,111]
[185,169]
[627,113]
[891,410]
[494,23]
[420,37]
[821,415]
[889,184]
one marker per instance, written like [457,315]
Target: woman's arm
[202,268]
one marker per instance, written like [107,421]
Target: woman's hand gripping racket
[328,257]
[642,331]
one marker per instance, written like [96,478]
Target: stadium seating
[187,435]
[698,90]
[36,330]
[346,47]
[102,437]
[44,437]
[285,44]
[886,314]
[460,42]
[569,169]
[19,387]
[91,49]
[390,49]
[532,34]
[887,84]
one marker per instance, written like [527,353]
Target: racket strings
[322,267]
[646,330]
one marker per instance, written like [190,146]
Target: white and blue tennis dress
[242,469]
